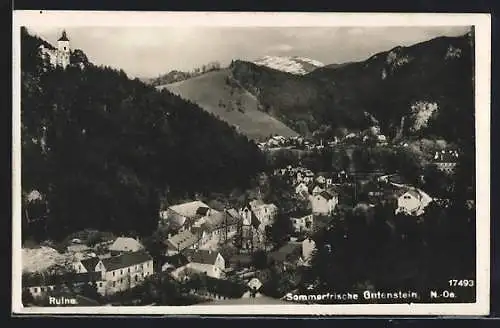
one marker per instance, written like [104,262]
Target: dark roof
[202,256]
[232,217]
[327,194]
[63,37]
[285,251]
[125,260]
[300,213]
[90,263]
[49,280]
[182,240]
[177,260]
[255,222]
[202,210]
[314,185]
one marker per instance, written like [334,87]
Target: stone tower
[63,51]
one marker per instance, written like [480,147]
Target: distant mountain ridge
[408,91]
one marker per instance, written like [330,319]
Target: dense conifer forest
[103,150]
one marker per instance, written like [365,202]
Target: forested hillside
[407,91]
[223,97]
[104,150]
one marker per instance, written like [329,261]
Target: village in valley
[310,221]
[223,252]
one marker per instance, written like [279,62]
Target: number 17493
[461,282]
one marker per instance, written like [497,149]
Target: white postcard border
[482,23]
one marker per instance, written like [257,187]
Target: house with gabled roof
[117,273]
[324,203]
[183,216]
[206,262]
[125,271]
[412,201]
[86,265]
[265,213]
[125,244]
[316,189]
[302,221]
[181,241]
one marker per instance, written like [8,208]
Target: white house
[208,262]
[125,244]
[264,212]
[118,273]
[183,216]
[323,203]
[412,202]
[302,222]
[125,271]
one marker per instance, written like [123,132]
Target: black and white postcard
[251,163]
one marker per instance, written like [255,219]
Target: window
[121,280]
[121,271]
[35,290]
[42,289]
[128,270]
[114,283]
[136,278]
[113,273]
[100,284]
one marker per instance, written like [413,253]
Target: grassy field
[230,103]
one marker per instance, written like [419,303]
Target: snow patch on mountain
[294,65]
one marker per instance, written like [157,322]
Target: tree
[108,137]
[436,182]
[78,56]
[155,245]
[281,229]
[259,259]
[90,290]
[227,251]
[27,297]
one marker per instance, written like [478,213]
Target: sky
[150,51]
